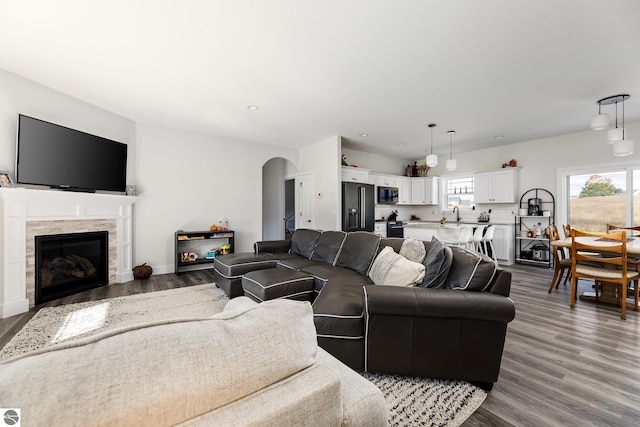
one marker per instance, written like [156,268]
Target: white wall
[21,96]
[189,181]
[376,162]
[323,160]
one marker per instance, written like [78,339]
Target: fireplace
[69,263]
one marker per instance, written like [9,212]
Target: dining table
[608,294]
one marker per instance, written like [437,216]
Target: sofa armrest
[277,246]
[436,333]
[501,283]
[437,303]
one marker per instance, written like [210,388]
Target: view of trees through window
[598,199]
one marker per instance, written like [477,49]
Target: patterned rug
[412,401]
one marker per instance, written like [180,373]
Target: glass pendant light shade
[623,148]
[600,121]
[432,159]
[452,164]
[616,134]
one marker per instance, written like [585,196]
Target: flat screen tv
[60,157]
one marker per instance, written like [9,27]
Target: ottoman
[228,269]
[263,285]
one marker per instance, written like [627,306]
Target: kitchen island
[503,239]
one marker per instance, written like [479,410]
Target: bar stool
[487,239]
[476,239]
[464,237]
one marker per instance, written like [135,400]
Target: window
[593,197]
[460,192]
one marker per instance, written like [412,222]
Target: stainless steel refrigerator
[357,207]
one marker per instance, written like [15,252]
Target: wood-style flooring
[560,367]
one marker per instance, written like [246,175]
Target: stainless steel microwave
[387,195]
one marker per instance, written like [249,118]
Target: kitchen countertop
[452,224]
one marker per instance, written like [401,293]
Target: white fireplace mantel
[18,206]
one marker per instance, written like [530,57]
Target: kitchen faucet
[456,209]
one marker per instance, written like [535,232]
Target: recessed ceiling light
[252,107]
[498,137]
[401,144]
[364,135]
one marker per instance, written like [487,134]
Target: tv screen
[59,157]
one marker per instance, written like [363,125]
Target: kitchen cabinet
[404,190]
[386,180]
[497,186]
[380,228]
[350,174]
[424,191]
[503,242]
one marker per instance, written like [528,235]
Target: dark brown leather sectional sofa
[453,331]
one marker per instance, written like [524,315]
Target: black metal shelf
[525,244]
[182,237]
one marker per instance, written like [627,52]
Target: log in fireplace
[70,263]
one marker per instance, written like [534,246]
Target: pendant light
[452,164]
[616,136]
[432,159]
[601,120]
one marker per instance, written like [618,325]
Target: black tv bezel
[64,186]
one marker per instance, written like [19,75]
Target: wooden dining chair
[561,262]
[635,262]
[609,267]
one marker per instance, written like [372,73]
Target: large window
[596,197]
[460,192]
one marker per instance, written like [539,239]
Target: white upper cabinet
[424,191]
[355,174]
[497,186]
[404,190]
[386,180]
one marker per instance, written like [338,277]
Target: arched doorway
[278,198]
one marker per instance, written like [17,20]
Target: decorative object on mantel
[131,190]
[408,170]
[143,271]
[5,179]
[452,164]
[510,164]
[344,160]
[616,136]
[414,169]
[422,170]
[432,159]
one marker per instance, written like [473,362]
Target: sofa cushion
[303,241]
[328,247]
[437,263]
[358,251]
[322,273]
[390,268]
[295,262]
[337,311]
[470,270]
[107,379]
[272,283]
[413,250]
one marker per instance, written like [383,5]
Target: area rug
[412,401]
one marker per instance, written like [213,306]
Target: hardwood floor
[560,367]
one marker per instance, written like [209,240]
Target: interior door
[305,197]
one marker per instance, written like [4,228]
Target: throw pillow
[437,263]
[392,269]
[470,271]
[413,250]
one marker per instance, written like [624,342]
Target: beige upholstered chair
[609,267]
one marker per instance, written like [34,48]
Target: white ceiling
[517,68]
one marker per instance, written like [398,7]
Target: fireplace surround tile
[25,213]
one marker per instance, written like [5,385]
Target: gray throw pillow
[437,264]
[470,271]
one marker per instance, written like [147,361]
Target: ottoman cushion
[263,285]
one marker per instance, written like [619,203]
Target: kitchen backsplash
[502,213]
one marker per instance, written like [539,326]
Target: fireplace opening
[70,263]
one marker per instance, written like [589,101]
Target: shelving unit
[525,246]
[199,242]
